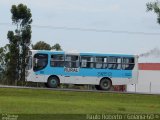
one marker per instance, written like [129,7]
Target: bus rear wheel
[105,84]
[53,82]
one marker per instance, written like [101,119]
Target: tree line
[13,55]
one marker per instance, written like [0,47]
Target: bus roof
[83,53]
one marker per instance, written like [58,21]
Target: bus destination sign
[71,69]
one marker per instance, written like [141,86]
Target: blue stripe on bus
[87,72]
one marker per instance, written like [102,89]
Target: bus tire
[53,82]
[105,84]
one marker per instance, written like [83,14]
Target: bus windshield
[40,61]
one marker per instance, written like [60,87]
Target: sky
[114,15]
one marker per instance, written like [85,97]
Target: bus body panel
[84,75]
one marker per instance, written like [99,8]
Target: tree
[41,45]
[2,60]
[4,55]
[19,41]
[154,6]
[57,47]
[12,65]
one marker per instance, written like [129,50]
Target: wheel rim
[53,82]
[105,84]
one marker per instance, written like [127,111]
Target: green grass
[47,102]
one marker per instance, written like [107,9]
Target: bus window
[57,60]
[101,62]
[119,63]
[72,61]
[87,61]
[128,63]
[114,63]
[40,61]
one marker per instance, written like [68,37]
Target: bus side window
[101,63]
[87,61]
[57,60]
[84,63]
[119,63]
[114,63]
[72,61]
[128,63]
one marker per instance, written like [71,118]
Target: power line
[88,29]
[97,30]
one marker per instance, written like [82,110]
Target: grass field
[62,105]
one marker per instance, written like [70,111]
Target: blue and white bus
[101,70]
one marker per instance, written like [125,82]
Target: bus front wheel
[105,84]
[53,82]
